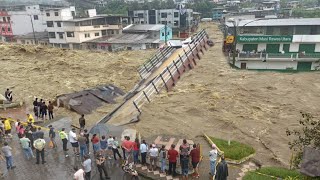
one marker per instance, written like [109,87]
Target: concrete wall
[30,41]
[317,48]
[268,65]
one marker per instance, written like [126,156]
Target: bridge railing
[168,74]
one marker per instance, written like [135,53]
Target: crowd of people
[42,110]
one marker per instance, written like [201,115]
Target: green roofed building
[277,44]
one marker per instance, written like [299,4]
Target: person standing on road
[82,143]
[25,143]
[115,149]
[30,118]
[39,145]
[87,167]
[52,136]
[143,151]
[79,174]
[64,137]
[222,169]
[172,157]
[195,159]
[95,143]
[35,107]
[122,147]
[44,111]
[213,158]
[74,141]
[110,142]
[50,110]
[163,155]
[86,135]
[153,153]
[82,121]
[184,159]
[100,159]
[103,143]
[136,148]
[6,150]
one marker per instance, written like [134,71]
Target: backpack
[39,144]
[184,150]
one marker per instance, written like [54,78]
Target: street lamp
[233,21]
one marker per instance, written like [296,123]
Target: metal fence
[146,68]
[168,74]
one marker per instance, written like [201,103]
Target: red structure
[5,26]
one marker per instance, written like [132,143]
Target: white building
[25,19]
[176,19]
[68,32]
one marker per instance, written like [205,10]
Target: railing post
[145,67]
[146,96]
[155,87]
[182,60]
[176,67]
[165,84]
[140,74]
[170,73]
[135,105]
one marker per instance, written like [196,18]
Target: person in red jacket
[172,157]
[195,159]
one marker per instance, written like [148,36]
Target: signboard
[263,39]
[229,39]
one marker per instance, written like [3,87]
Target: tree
[307,135]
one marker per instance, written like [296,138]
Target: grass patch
[235,151]
[278,172]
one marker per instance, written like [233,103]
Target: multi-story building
[66,31]
[292,44]
[22,19]
[178,20]
[5,27]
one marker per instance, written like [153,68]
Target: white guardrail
[160,81]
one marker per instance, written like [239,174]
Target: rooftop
[38,35]
[277,22]
[143,27]
[126,38]
[91,18]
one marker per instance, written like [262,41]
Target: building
[134,37]
[6,33]
[280,44]
[66,31]
[37,38]
[179,20]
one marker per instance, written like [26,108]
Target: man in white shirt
[153,152]
[74,141]
[79,174]
[110,142]
[87,167]
[213,158]
[143,151]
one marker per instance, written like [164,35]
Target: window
[163,34]
[104,32]
[176,23]
[163,22]
[28,7]
[4,19]
[9,29]
[48,14]
[3,30]
[112,32]
[176,14]
[56,13]
[52,35]
[96,34]
[58,24]
[70,34]
[140,15]
[73,13]
[169,22]
[60,35]
[49,23]
[35,17]
[8,19]
[87,35]
[163,15]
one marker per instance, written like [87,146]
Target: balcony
[91,28]
[276,57]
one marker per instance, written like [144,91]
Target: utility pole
[34,35]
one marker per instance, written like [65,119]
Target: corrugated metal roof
[144,27]
[278,22]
